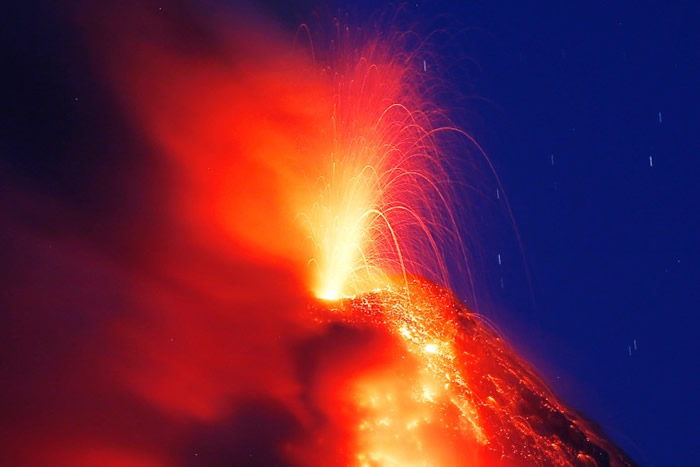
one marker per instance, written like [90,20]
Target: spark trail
[383,202]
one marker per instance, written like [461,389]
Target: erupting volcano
[289,302]
[439,387]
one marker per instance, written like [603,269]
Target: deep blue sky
[611,242]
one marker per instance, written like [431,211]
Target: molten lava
[449,392]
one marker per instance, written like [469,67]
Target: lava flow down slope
[446,390]
[264,272]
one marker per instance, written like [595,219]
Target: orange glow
[282,300]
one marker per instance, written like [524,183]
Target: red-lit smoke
[191,334]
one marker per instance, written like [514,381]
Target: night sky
[611,241]
[590,115]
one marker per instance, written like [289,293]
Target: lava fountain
[383,204]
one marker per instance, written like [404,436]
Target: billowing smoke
[162,324]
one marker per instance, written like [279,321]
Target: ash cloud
[154,298]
